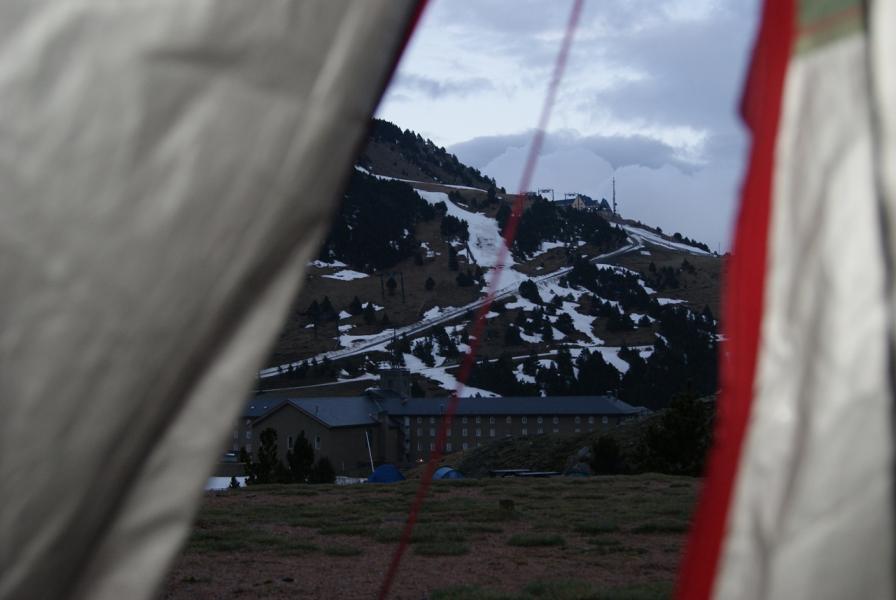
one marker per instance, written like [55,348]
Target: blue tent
[385,474]
[447,473]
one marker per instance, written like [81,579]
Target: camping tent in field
[167,169]
[447,473]
[385,474]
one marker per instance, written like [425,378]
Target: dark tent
[447,473]
[385,474]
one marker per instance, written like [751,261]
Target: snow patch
[441,376]
[346,275]
[327,265]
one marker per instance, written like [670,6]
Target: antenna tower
[615,212]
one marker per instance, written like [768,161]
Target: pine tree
[326,309]
[300,459]
[355,308]
[313,312]
[323,471]
[370,313]
[267,465]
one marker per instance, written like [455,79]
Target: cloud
[651,92]
[436,88]
[695,203]
[617,150]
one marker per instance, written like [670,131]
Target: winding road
[636,241]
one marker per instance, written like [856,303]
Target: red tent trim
[743,299]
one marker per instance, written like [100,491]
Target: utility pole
[614,196]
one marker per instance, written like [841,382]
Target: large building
[384,426]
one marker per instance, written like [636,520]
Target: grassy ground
[601,537]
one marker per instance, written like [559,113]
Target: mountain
[588,303]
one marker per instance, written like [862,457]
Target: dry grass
[468,543]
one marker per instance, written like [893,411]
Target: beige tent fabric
[812,512]
[167,168]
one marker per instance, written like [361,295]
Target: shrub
[323,471]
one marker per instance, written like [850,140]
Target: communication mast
[615,212]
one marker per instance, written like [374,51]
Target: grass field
[600,537]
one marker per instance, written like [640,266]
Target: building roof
[335,411]
[260,404]
[357,411]
[517,405]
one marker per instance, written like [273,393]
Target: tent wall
[167,169]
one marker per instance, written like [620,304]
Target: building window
[591,419]
[249,434]
[578,430]
[419,420]
[509,419]
[465,445]
[478,432]
[491,432]
[448,447]
[463,432]
[539,419]
[289,443]
[407,421]
[432,420]
[432,432]
[605,420]
[524,431]
[432,446]
[420,432]
[578,419]
[524,420]
[556,430]
[249,448]
[419,446]
[556,420]
[540,430]
[491,420]
[478,420]
[463,420]
[448,432]
[317,442]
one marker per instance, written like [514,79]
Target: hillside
[589,303]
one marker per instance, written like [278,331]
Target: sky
[650,96]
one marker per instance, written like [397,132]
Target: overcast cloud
[650,96]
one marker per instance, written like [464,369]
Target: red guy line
[479,322]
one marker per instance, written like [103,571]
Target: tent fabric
[385,474]
[167,169]
[447,473]
[809,512]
